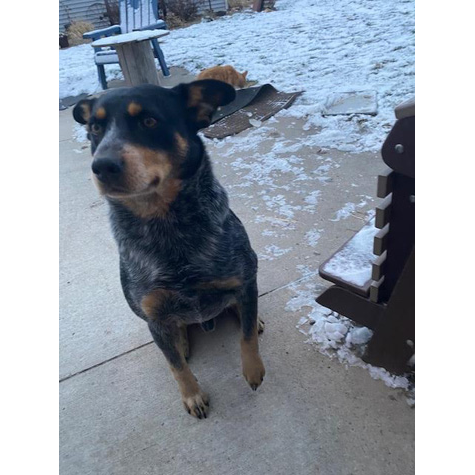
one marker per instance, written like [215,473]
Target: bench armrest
[406,109]
[96,34]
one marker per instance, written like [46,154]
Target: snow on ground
[322,47]
[348,210]
[271,252]
[337,336]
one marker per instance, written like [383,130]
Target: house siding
[94,11]
[216,5]
[82,10]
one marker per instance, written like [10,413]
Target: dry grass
[174,22]
[185,10]
[76,30]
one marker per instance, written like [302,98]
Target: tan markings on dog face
[101,113]
[134,109]
[252,367]
[153,173]
[182,145]
[224,284]
[152,302]
[155,204]
[150,184]
[86,111]
[144,166]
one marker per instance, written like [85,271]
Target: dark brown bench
[375,287]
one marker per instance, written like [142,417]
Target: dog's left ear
[83,110]
[202,98]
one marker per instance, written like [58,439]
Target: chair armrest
[406,109]
[96,34]
[161,25]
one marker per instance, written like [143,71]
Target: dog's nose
[107,169]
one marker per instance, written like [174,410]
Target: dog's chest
[170,266]
[184,275]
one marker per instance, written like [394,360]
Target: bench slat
[385,183]
[111,57]
[381,241]
[379,266]
[383,212]
[374,290]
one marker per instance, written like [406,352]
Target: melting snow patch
[312,237]
[286,224]
[272,252]
[348,210]
[269,232]
[337,336]
[279,204]
[263,169]
[312,198]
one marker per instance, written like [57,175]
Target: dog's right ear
[202,98]
[83,110]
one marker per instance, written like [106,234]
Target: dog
[185,257]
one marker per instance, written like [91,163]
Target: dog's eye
[149,122]
[96,129]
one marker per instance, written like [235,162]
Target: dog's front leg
[252,366]
[169,339]
[161,307]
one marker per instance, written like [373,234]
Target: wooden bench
[374,272]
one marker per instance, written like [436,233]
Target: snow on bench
[351,265]
[133,36]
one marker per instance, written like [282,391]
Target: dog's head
[144,139]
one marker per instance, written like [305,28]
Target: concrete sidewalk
[120,410]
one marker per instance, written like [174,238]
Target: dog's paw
[253,371]
[197,405]
[260,326]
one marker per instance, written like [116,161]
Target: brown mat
[267,102]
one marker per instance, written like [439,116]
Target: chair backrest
[136,14]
